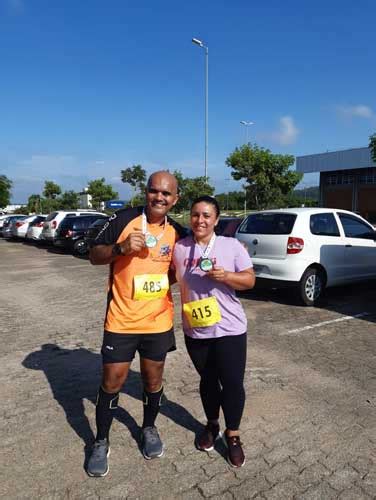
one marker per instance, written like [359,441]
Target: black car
[93,230]
[71,231]
[227,226]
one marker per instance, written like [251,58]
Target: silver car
[9,224]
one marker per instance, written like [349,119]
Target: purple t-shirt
[195,285]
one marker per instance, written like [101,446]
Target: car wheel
[311,286]
[80,247]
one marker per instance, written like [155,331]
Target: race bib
[201,313]
[150,286]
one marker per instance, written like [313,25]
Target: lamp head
[197,42]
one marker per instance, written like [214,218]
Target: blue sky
[90,88]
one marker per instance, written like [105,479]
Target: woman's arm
[241,280]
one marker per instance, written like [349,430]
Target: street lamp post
[228,182]
[200,44]
[246,124]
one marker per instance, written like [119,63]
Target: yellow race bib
[150,286]
[201,313]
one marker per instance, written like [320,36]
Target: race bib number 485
[201,313]
[150,286]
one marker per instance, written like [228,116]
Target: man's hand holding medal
[134,242]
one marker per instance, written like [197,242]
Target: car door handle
[348,246]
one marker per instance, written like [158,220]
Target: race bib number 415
[150,286]
[201,313]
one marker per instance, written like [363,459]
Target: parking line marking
[324,323]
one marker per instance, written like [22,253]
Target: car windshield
[77,222]
[99,222]
[51,216]
[38,219]
[268,223]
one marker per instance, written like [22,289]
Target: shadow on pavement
[74,376]
[49,248]
[351,299]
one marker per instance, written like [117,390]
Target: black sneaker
[206,440]
[152,446]
[235,455]
[98,465]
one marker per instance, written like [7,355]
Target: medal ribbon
[145,223]
[206,252]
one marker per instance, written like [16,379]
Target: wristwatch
[117,250]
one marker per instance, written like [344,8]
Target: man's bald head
[161,195]
[163,176]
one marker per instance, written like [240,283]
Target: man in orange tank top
[137,243]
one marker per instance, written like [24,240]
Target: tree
[69,200]
[136,177]
[51,190]
[34,204]
[267,175]
[189,189]
[372,145]
[101,192]
[233,200]
[138,200]
[5,187]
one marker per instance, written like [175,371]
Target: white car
[54,219]
[309,248]
[2,220]
[35,228]
[20,228]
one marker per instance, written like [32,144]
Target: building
[347,179]
[85,199]
[10,209]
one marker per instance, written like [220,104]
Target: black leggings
[220,363]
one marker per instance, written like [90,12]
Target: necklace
[150,240]
[206,264]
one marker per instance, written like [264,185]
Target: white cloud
[358,111]
[287,133]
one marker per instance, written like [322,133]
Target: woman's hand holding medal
[217,274]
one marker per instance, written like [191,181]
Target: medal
[206,265]
[150,241]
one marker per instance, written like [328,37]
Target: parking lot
[309,428]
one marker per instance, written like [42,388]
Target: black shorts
[122,347]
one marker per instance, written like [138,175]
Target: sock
[152,402]
[104,412]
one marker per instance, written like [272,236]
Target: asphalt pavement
[309,426]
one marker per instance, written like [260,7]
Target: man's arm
[102,254]
[105,254]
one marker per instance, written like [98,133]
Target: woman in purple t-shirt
[209,269]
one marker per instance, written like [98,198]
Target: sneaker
[98,465]
[235,455]
[205,442]
[152,446]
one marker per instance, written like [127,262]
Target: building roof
[335,160]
